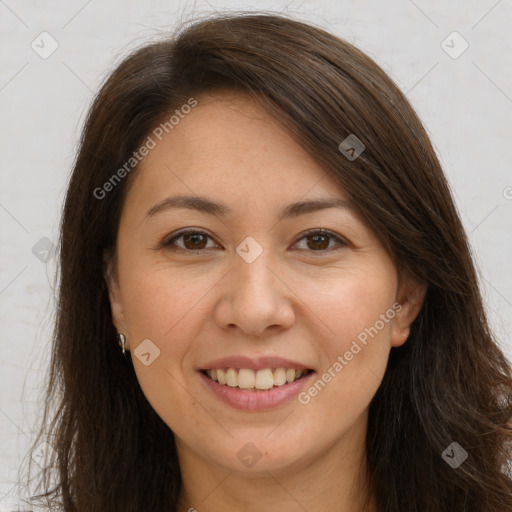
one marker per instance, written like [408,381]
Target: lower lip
[258,400]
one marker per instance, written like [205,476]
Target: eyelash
[169,244]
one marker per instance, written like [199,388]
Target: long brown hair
[448,383]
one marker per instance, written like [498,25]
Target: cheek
[171,307]
[167,308]
[351,300]
[165,305]
[357,313]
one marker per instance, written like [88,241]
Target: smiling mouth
[250,380]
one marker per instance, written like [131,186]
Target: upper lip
[258,363]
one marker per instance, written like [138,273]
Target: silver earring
[122,341]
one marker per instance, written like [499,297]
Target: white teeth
[290,375]
[245,378]
[279,377]
[264,379]
[221,376]
[231,378]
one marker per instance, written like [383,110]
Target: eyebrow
[205,205]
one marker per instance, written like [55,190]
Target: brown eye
[320,240]
[190,241]
[194,241]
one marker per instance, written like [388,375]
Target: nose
[255,298]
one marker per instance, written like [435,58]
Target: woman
[267,298]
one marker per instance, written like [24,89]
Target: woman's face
[257,289]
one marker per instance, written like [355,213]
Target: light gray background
[464,102]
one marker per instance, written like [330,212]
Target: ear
[410,296]
[114,294]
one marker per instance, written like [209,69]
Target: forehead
[229,148]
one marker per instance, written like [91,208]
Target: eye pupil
[194,238]
[323,245]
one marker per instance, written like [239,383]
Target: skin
[295,301]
